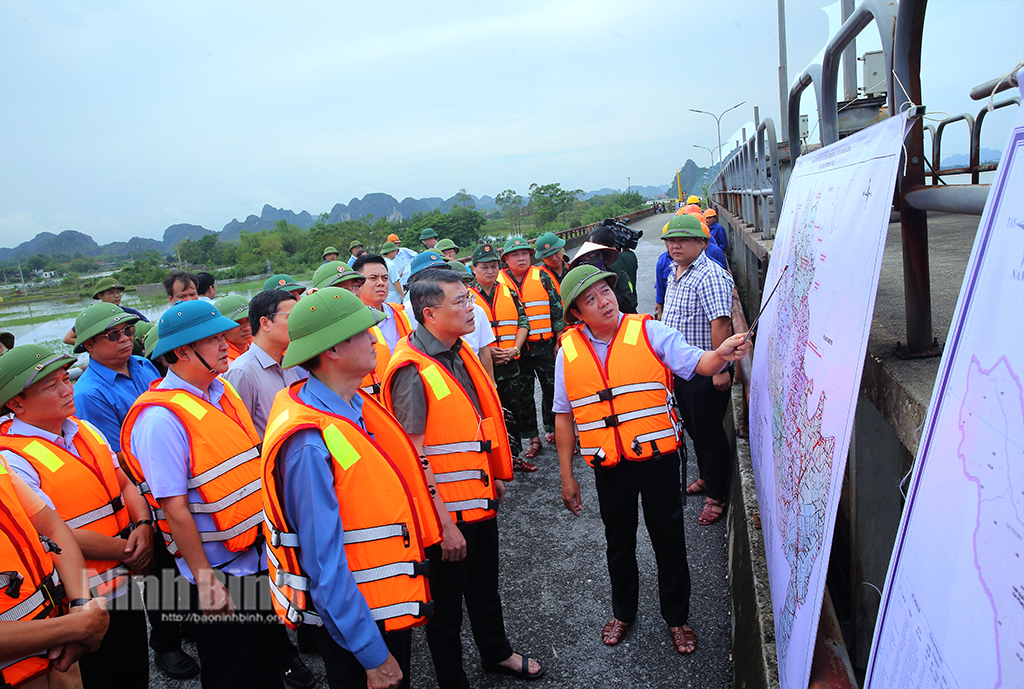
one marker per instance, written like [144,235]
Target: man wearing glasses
[103,396]
[438,390]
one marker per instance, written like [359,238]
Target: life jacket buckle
[611,421]
[605,395]
[485,445]
[14,583]
[117,503]
[49,546]
[405,535]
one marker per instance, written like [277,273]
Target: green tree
[550,200]
[463,199]
[511,205]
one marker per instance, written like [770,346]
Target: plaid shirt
[700,295]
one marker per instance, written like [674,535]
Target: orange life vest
[371,383]
[28,581]
[384,506]
[467,450]
[234,352]
[623,407]
[535,300]
[555,280]
[503,316]
[224,468]
[85,493]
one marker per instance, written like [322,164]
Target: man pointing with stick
[613,383]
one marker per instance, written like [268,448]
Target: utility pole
[718,121]
[783,72]
[629,185]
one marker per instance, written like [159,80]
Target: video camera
[625,236]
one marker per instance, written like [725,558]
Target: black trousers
[122,659]
[656,482]
[702,409]
[475,579]
[509,393]
[240,654]
[164,635]
[537,359]
[345,672]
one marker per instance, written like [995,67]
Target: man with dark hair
[181,285]
[206,287]
[441,395]
[257,374]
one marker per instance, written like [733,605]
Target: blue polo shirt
[103,396]
[311,504]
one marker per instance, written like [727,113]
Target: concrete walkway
[554,581]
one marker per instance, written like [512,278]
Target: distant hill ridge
[71,242]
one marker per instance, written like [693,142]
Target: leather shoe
[683,639]
[296,674]
[612,633]
[177,664]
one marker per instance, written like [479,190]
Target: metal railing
[752,182]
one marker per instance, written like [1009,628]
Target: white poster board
[807,367]
[952,612]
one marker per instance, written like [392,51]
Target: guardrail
[583,230]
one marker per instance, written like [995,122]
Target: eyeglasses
[114,334]
[465,303]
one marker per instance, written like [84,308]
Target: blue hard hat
[426,259]
[187,322]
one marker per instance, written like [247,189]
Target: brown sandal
[712,512]
[612,633]
[534,449]
[696,488]
[683,639]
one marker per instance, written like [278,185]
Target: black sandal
[523,673]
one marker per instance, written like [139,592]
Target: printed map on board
[807,366]
[952,612]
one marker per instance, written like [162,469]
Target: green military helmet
[354,243]
[576,281]
[515,244]
[97,319]
[187,322]
[461,268]
[445,244]
[683,226]
[333,274]
[149,343]
[233,306]
[484,253]
[324,319]
[282,281]
[388,247]
[547,245]
[427,233]
[24,365]
[142,329]
[330,250]
[103,285]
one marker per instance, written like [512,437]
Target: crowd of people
[333,457]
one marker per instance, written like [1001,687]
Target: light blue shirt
[402,259]
[388,326]
[393,274]
[160,442]
[23,468]
[668,344]
[311,504]
[104,396]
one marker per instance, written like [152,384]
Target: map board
[807,367]
[952,611]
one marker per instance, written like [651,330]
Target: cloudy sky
[121,118]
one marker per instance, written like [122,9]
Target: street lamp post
[718,121]
[711,151]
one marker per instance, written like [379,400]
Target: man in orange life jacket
[438,390]
[541,300]
[191,445]
[70,466]
[348,510]
[36,637]
[613,383]
[236,307]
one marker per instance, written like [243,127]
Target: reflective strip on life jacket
[395,569]
[479,504]
[466,475]
[226,501]
[223,468]
[377,533]
[453,448]
[47,593]
[95,515]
